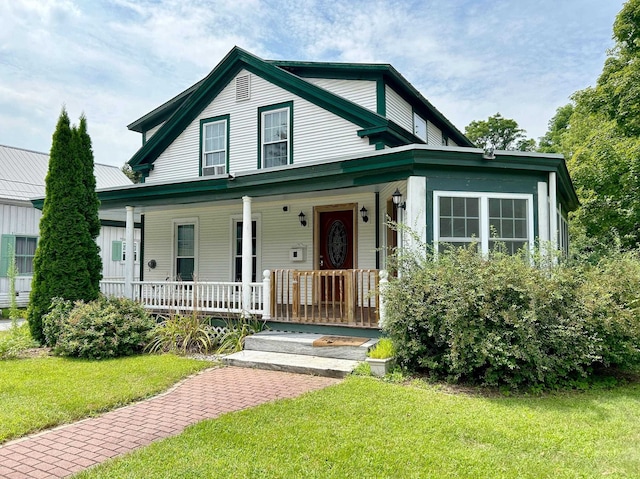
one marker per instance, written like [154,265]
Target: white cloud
[116,60]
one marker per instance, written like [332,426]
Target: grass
[43,392]
[366,428]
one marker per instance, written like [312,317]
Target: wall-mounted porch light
[302,219]
[364,215]
[397,199]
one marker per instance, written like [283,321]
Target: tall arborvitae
[66,252]
[91,203]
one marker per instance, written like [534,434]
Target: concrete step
[302,344]
[293,363]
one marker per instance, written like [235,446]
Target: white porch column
[543,213]
[129,263]
[553,212]
[416,211]
[247,253]
[382,288]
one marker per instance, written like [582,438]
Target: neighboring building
[305,159]
[22,177]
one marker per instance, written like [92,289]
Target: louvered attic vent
[243,88]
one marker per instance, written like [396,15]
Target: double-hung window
[214,132]
[486,219]
[22,249]
[186,249]
[275,135]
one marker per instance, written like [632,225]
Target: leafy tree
[66,255]
[551,142]
[499,133]
[134,176]
[599,133]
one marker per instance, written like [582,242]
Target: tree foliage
[599,134]
[499,133]
[67,256]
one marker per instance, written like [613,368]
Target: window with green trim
[486,219]
[22,248]
[275,136]
[214,146]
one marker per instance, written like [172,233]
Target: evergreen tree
[91,203]
[66,252]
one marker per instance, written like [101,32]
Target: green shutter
[116,251]
[7,243]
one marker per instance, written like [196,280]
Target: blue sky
[116,60]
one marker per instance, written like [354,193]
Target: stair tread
[298,363]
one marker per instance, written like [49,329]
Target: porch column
[553,212]
[247,254]
[129,263]
[543,219]
[416,211]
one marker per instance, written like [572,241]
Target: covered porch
[321,297]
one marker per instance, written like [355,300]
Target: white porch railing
[206,297]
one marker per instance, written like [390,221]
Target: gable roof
[184,108]
[23,173]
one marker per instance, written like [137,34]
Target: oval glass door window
[337,243]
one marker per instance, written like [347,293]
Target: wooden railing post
[295,286]
[349,294]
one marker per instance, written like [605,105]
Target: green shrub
[182,334]
[104,328]
[14,341]
[54,320]
[501,321]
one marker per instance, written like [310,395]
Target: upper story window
[214,148]
[420,127]
[485,218]
[275,135]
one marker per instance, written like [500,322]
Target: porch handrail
[202,296]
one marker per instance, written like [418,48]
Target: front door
[336,240]
[336,251]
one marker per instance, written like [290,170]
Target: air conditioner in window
[214,170]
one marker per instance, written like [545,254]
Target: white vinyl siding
[362,92]
[152,131]
[434,133]
[112,264]
[278,232]
[337,137]
[399,110]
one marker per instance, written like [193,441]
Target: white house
[309,160]
[22,177]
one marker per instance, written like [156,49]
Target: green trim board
[203,122]
[118,224]
[277,106]
[383,167]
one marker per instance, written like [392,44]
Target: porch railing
[206,297]
[348,297]
[343,297]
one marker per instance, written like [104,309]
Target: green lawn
[43,392]
[365,428]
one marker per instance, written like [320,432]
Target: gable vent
[243,88]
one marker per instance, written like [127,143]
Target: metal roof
[23,173]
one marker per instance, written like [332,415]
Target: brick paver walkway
[67,449]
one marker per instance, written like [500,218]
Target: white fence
[206,297]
